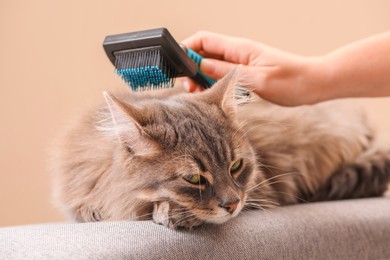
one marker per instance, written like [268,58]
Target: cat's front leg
[161,214]
[174,216]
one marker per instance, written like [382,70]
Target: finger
[212,68]
[216,69]
[198,89]
[231,49]
[189,85]
[206,41]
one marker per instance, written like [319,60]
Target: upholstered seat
[350,229]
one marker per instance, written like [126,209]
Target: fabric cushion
[351,229]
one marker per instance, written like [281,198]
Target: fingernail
[198,90]
[186,85]
[207,65]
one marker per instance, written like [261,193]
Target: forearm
[360,69]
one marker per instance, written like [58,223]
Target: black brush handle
[199,78]
[201,81]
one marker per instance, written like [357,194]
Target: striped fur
[129,159]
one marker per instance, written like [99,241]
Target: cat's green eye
[236,166]
[195,179]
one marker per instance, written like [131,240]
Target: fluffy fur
[132,158]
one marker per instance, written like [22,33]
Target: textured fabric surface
[354,229]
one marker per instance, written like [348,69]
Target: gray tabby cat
[185,159]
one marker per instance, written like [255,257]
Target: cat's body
[185,159]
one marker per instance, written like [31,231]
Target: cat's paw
[161,214]
[174,216]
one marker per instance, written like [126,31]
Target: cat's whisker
[270,166]
[180,214]
[263,200]
[183,220]
[262,204]
[254,205]
[264,207]
[266,122]
[288,194]
[142,217]
[200,189]
[184,213]
[254,127]
[137,209]
[241,126]
[177,217]
[196,223]
[275,182]
[244,134]
[271,178]
[187,219]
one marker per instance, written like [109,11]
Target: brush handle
[199,78]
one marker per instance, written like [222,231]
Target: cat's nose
[230,205]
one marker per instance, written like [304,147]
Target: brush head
[145,69]
[148,59]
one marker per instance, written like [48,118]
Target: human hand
[277,76]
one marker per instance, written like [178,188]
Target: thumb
[215,69]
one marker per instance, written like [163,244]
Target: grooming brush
[152,59]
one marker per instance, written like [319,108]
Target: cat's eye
[236,166]
[195,179]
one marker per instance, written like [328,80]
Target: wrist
[318,79]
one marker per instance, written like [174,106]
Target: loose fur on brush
[185,159]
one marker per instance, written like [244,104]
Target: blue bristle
[144,70]
[142,77]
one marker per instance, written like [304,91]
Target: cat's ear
[223,93]
[125,119]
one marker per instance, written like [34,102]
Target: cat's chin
[222,219]
[219,220]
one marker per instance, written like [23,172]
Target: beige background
[52,65]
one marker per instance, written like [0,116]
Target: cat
[186,159]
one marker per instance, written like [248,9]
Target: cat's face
[188,150]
